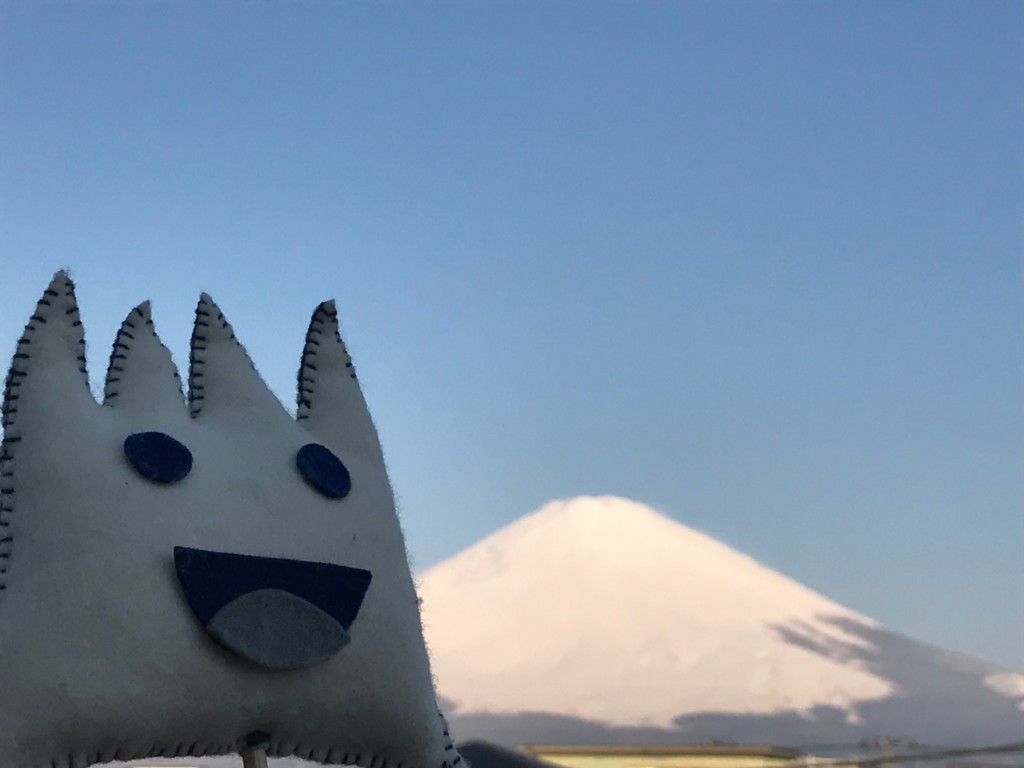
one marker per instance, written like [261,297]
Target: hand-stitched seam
[307,376]
[122,350]
[306,382]
[196,361]
[109,390]
[8,417]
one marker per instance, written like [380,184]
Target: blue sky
[758,265]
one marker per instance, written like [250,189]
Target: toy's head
[184,578]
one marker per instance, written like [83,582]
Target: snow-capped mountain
[599,620]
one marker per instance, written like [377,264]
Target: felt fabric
[102,656]
[323,470]
[157,456]
[212,580]
[300,635]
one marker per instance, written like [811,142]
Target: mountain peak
[590,542]
[602,518]
[600,611]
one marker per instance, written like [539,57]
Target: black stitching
[11,385]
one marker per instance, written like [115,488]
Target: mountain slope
[599,619]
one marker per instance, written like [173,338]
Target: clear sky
[758,265]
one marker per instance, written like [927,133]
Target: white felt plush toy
[192,578]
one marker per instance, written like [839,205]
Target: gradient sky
[758,265]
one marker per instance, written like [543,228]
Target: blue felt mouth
[277,613]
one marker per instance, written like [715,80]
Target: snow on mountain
[600,620]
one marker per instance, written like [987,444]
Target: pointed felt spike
[141,375]
[51,351]
[221,376]
[330,401]
[47,376]
[53,335]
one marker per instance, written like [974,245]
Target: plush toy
[198,577]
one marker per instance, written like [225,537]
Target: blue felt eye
[323,470]
[157,456]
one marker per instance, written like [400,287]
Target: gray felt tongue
[278,630]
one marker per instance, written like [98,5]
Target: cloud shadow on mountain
[938,697]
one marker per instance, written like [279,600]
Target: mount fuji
[598,620]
